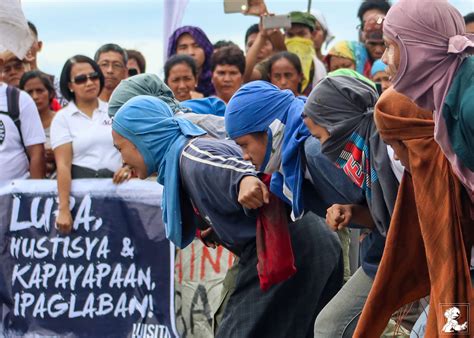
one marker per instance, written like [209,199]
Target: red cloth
[55,105]
[276,262]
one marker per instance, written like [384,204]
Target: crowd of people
[281,154]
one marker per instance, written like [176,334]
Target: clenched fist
[253,193]
[338,216]
[64,221]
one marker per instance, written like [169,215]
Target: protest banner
[113,276]
[199,273]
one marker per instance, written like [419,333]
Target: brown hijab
[425,252]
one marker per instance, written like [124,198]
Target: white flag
[15,35]
[173,15]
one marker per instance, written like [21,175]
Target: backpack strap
[13,104]
[13,100]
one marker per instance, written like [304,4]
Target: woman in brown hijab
[431,228]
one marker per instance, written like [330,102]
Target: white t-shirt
[91,138]
[321,71]
[14,163]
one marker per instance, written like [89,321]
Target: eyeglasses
[81,79]
[16,65]
[115,65]
[375,43]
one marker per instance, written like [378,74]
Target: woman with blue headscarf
[207,113]
[266,122]
[209,176]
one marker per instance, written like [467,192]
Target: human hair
[177,60]
[137,56]
[291,57]
[66,75]
[381,5]
[254,29]
[231,55]
[468,18]
[223,43]
[111,47]
[45,79]
[32,28]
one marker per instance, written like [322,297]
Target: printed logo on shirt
[107,122]
[2,132]
[354,160]
[456,316]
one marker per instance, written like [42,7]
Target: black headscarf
[344,106]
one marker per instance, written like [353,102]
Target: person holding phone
[260,43]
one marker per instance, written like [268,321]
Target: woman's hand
[338,216]
[207,238]
[253,193]
[64,221]
[256,7]
[49,155]
[122,175]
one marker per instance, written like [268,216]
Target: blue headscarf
[253,108]
[208,105]
[149,124]
[377,66]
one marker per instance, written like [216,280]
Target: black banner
[111,277]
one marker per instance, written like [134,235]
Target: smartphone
[276,21]
[235,6]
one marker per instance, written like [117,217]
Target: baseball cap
[302,18]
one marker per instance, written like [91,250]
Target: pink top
[433,43]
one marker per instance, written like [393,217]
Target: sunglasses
[81,79]
[132,72]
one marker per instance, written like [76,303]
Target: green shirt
[458,112]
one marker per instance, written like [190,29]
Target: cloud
[54,54]
[79,1]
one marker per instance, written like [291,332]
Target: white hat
[322,21]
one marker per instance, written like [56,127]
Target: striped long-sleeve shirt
[211,171]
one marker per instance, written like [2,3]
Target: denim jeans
[330,186]
[419,329]
[340,316]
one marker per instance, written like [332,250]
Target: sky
[69,27]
